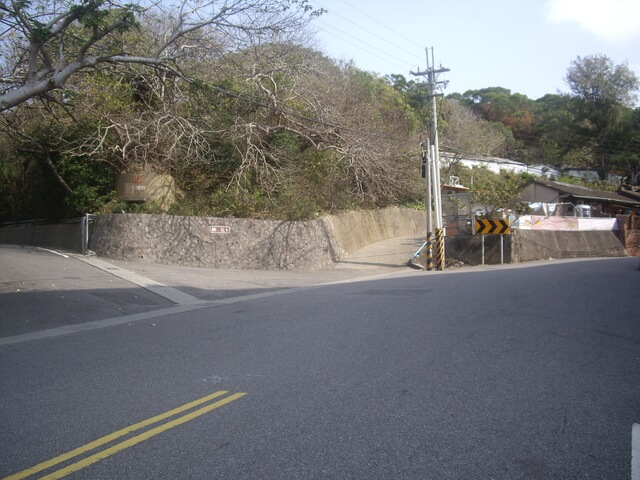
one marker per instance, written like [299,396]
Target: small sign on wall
[219,229]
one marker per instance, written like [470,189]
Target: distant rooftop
[580,191]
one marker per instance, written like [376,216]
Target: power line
[575,139]
[381,24]
[385,40]
[370,52]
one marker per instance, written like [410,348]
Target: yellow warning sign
[492,227]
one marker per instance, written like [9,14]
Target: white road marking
[52,251]
[172,294]
[635,452]
[110,322]
[184,301]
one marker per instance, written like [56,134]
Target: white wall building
[493,164]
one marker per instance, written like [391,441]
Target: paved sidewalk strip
[172,294]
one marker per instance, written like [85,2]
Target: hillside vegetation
[260,124]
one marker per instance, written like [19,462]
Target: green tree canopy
[596,80]
[603,94]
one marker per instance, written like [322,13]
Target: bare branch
[49,48]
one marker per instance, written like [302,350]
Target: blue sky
[523,45]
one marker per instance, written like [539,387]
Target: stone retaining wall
[631,229]
[281,245]
[244,243]
[529,245]
[355,230]
[524,245]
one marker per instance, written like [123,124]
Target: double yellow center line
[96,457]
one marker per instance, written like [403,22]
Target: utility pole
[432,176]
[426,165]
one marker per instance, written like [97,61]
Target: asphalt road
[489,373]
[40,289]
[44,292]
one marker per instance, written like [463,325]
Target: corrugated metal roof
[632,194]
[579,191]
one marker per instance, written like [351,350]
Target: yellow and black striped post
[439,249]
[429,264]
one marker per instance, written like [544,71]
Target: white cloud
[616,21]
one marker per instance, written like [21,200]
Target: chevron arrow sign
[492,227]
